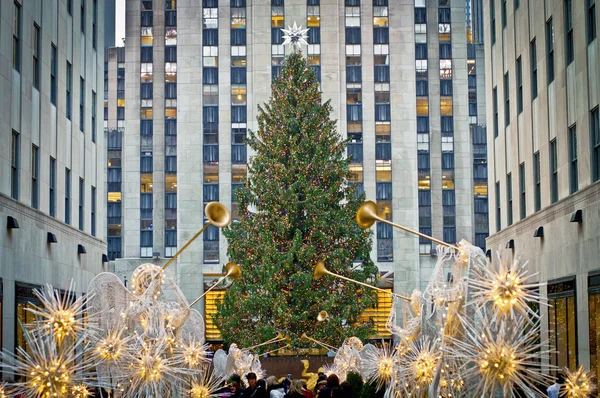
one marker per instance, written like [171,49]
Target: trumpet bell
[304,336]
[367,214]
[322,316]
[232,270]
[217,214]
[320,270]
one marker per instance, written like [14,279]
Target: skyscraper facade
[397,76]
[52,157]
[544,149]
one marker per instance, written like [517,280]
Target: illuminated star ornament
[295,36]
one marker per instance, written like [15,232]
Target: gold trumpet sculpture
[320,270]
[232,270]
[217,214]
[276,349]
[324,316]
[276,339]
[367,215]
[324,345]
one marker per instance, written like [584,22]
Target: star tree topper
[295,36]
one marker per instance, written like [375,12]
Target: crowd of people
[326,387]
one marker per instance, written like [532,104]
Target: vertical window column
[52,188]
[238,101]
[423,149]
[354,125]
[553,171]
[81,215]
[210,63]
[170,205]
[67,196]
[447,123]
[15,162]
[573,168]
[522,192]
[509,200]
[383,134]
[35,177]
[277,50]
[313,12]
[595,140]
[146,131]
[537,181]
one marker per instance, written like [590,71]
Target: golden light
[498,361]
[419,364]
[199,391]
[193,354]
[578,384]
[80,391]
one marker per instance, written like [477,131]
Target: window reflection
[561,324]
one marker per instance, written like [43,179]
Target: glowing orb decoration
[502,358]
[378,364]
[578,384]
[206,384]
[506,285]
[192,354]
[3,391]
[418,366]
[61,314]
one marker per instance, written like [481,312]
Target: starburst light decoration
[61,315]
[193,354]
[378,364]
[205,384]
[578,384]
[80,391]
[295,36]
[418,366]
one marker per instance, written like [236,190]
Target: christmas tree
[296,208]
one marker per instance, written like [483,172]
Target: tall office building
[187,88]
[52,157]
[544,149]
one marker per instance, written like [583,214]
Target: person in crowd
[261,389]
[554,389]
[332,382]
[320,385]
[305,391]
[250,391]
[347,389]
[295,390]
[274,388]
[287,383]
[234,390]
[337,392]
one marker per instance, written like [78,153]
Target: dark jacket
[293,395]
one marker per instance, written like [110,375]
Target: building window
[519,86]
[83,16]
[569,50]
[17,37]
[93,215]
[493,21]
[81,104]
[35,177]
[498,214]
[553,171]
[506,101]
[69,85]
[35,46]
[495,108]
[53,73]
[67,196]
[537,180]
[70,7]
[534,77]
[81,203]
[52,187]
[25,300]
[591,20]
[595,138]
[504,19]
[550,51]
[94,23]
[523,195]
[15,157]
[594,312]
[509,200]
[562,324]
[573,170]
[94,116]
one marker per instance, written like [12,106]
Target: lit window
[444,31]
[314,21]
[146,72]
[238,94]
[383,171]
[314,59]
[353,94]
[448,179]
[210,18]
[384,209]
[170,36]
[121,102]
[238,18]
[146,182]
[146,113]
[277,17]
[238,173]
[211,172]
[421,67]
[446,106]
[171,113]
[238,61]
[424,180]
[356,172]
[445,69]
[170,182]
[422,106]
[114,196]
[146,36]
[480,189]
[447,144]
